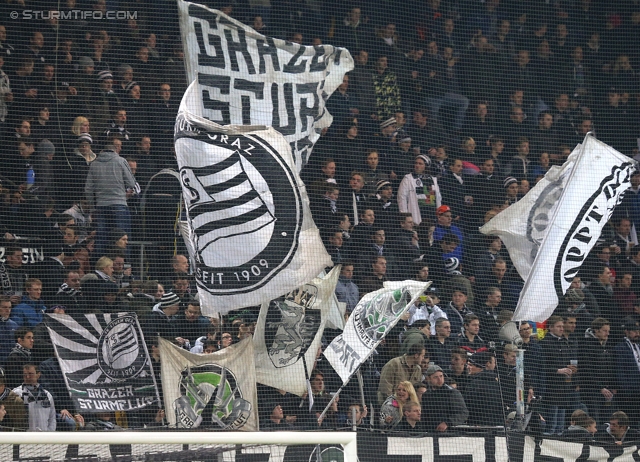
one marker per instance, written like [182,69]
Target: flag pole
[361,385]
[333,398]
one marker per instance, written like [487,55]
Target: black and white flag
[249,226]
[551,230]
[104,361]
[289,328]
[242,77]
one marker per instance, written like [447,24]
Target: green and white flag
[372,319]
[210,391]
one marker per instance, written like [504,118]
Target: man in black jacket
[443,405]
[482,395]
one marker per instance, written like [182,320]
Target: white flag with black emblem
[290,328]
[551,230]
[248,219]
[210,391]
[242,77]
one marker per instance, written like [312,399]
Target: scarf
[635,349]
[425,190]
[70,291]
[5,280]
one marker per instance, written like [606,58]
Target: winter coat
[7,340]
[28,313]
[18,357]
[484,399]
[444,404]
[557,355]
[157,323]
[40,406]
[595,365]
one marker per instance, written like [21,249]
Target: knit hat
[85,138]
[460,289]
[427,159]
[443,209]
[382,184]
[130,85]
[451,265]
[85,61]
[46,147]
[169,299]
[405,139]
[432,369]
[116,234]
[388,122]
[105,75]
[508,181]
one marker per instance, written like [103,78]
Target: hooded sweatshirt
[108,180]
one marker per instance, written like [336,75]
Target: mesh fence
[116,211]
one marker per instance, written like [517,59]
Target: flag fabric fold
[289,328]
[371,320]
[242,77]
[550,231]
[248,225]
[210,391]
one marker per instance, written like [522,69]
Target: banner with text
[373,317]
[242,77]
[250,228]
[550,232]
[104,360]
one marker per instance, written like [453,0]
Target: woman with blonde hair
[391,409]
[80,125]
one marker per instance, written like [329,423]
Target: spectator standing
[108,182]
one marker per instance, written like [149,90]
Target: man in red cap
[444,226]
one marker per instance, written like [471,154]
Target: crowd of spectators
[452,112]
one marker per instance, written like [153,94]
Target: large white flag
[210,391]
[371,320]
[242,77]
[550,231]
[289,328]
[248,219]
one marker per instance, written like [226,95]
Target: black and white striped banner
[104,360]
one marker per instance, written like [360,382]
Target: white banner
[242,77]
[210,391]
[550,232]
[248,218]
[373,317]
[288,329]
